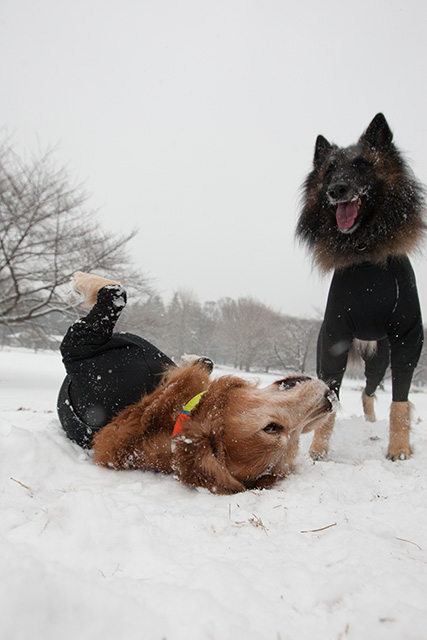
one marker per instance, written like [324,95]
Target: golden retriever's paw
[188,360]
[88,285]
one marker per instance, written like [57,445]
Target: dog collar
[185,413]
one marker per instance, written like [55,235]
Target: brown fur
[400,424]
[224,446]
[320,445]
[368,407]
[400,245]
[239,436]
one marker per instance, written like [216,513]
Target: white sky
[195,121]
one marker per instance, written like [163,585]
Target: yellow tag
[193,402]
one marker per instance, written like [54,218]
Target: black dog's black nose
[338,191]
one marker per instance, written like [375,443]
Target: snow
[337,551]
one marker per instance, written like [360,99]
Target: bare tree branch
[47,233]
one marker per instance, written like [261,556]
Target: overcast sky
[195,121]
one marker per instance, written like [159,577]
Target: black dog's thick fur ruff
[391,201]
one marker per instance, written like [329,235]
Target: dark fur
[362,213]
[391,218]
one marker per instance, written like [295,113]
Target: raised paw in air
[88,285]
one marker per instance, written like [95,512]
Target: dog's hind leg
[320,445]
[368,407]
[400,424]
[88,285]
[377,357]
[406,335]
[85,337]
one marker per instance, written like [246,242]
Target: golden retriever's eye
[273,427]
[291,381]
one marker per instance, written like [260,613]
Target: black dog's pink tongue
[346,214]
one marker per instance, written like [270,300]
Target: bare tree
[295,345]
[229,333]
[184,314]
[46,234]
[149,319]
[244,331]
[254,335]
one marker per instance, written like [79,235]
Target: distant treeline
[243,333]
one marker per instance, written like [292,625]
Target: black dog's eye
[273,427]
[361,163]
[330,169]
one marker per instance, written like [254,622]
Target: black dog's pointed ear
[378,135]
[321,150]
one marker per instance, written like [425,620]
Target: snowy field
[337,551]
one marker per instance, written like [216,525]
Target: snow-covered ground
[337,551]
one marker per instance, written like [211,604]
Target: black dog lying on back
[362,214]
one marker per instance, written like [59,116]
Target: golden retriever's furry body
[224,446]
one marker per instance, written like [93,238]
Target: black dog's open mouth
[347,214]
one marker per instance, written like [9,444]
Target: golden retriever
[239,436]
[234,436]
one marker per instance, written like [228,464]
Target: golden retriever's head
[242,436]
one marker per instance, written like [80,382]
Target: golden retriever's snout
[329,397]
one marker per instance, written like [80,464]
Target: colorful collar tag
[185,413]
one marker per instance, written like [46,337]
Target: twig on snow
[321,529]
[257,522]
[410,542]
[21,484]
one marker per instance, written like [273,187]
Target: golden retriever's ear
[200,457]
[199,460]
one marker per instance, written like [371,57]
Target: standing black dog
[362,214]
